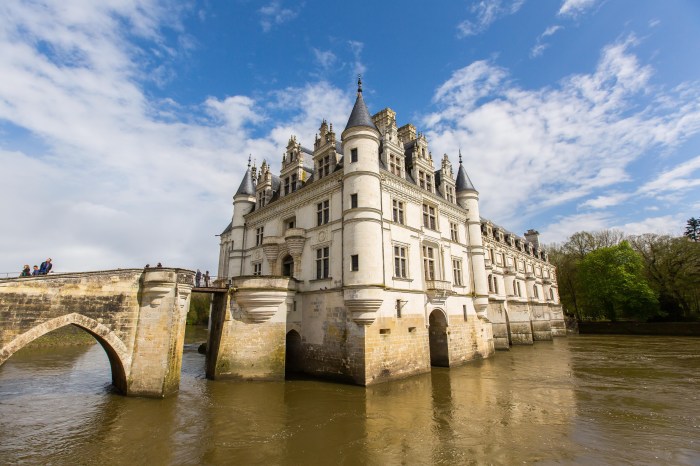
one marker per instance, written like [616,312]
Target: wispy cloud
[556,145]
[574,8]
[484,13]
[356,49]
[274,14]
[540,45]
[325,59]
[108,175]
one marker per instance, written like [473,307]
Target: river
[582,399]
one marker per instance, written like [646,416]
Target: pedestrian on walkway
[35,272]
[45,267]
[197,278]
[206,279]
[26,271]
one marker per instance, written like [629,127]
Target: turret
[468,198]
[243,204]
[362,260]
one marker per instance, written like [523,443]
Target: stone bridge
[137,315]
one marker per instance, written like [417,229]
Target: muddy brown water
[583,400]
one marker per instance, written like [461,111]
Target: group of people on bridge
[198,278]
[44,269]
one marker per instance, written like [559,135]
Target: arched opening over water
[288,266]
[110,342]
[293,354]
[437,335]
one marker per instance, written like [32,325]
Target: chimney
[533,236]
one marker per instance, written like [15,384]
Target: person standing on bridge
[206,279]
[26,271]
[45,267]
[198,278]
[35,272]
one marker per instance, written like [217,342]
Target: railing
[438,285]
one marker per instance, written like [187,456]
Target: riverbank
[687,329]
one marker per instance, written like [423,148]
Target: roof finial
[359,84]
[249,156]
[460,156]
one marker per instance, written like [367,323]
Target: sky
[126,125]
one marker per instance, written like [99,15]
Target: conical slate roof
[463,181]
[247,187]
[360,115]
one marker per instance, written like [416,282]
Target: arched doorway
[288,266]
[437,335]
[293,356]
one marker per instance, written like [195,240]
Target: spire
[360,115]
[463,181]
[247,186]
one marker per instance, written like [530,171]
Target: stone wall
[520,326]
[541,323]
[499,324]
[137,316]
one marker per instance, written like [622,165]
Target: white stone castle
[362,262]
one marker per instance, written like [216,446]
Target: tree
[672,267]
[613,284]
[692,231]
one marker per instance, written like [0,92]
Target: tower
[468,198]
[363,268]
[243,203]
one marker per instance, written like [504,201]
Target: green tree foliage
[613,284]
[672,266]
[198,313]
[692,230]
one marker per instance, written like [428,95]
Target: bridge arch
[116,351]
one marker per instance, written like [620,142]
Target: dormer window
[425,180]
[324,166]
[261,199]
[395,164]
[450,193]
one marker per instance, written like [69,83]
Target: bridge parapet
[137,315]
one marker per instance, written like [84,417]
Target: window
[453,232]
[490,283]
[324,166]
[457,272]
[322,263]
[286,185]
[495,285]
[429,182]
[322,212]
[421,179]
[353,201]
[290,184]
[551,294]
[449,193]
[262,198]
[353,155]
[399,305]
[400,269]
[534,290]
[429,262]
[290,223]
[294,182]
[257,268]
[397,211]
[429,217]
[354,263]
[395,164]
[464,311]
[259,235]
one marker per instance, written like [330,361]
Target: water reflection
[584,400]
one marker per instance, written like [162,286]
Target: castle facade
[365,260]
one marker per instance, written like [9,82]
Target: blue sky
[125,125]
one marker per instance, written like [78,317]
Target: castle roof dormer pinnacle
[247,186]
[360,115]
[463,181]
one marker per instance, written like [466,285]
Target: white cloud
[530,150]
[356,49]
[110,177]
[574,8]
[608,200]
[274,14]
[540,46]
[664,225]
[325,58]
[678,178]
[484,13]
